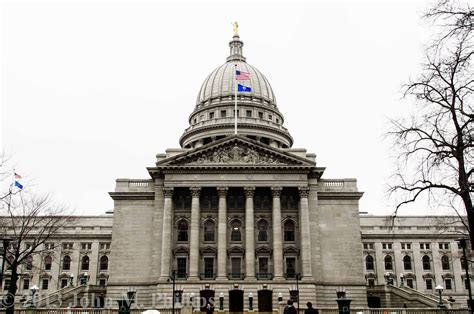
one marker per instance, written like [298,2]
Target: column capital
[168,192]
[276,191]
[303,191]
[222,191]
[249,191]
[195,191]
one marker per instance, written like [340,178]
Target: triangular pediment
[236,151]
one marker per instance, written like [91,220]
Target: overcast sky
[93,90]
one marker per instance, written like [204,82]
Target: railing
[236,275]
[207,275]
[87,311]
[264,276]
[138,183]
[292,275]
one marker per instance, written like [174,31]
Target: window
[211,115]
[29,263]
[26,284]
[102,282]
[263,265]
[406,246]
[105,246]
[426,262]
[67,262]
[429,284]
[223,113]
[238,113]
[368,246]
[262,201]
[49,246]
[182,267]
[183,231]
[48,261]
[262,230]
[463,263]
[248,113]
[290,267]
[194,120]
[209,231]
[104,263]
[236,267]
[64,283]
[182,200]
[445,262]
[424,246]
[209,201]
[443,245]
[208,267]
[45,284]
[448,284]
[369,262]
[86,246]
[235,234]
[387,246]
[407,262]
[388,262]
[270,117]
[85,263]
[235,201]
[260,115]
[277,120]
[288,201]
[410,282]
[371,282]
[67,246]
[289,231]
[294,296]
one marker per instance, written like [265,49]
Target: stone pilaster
[166,235]
[222,234]
[249,233]
[194,239]
[305,236]
[277,238]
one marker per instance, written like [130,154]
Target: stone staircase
[392,296]
[71,296]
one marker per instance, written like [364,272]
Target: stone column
[194,238]
[249,234]
[222,234]
[277,238]
[305,237]
[166,234]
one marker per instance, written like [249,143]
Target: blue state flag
[242,88]
[19,185]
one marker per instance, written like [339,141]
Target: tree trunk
[9,301]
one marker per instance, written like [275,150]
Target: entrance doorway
[265,300]
[236,300]
[373,302]
[206,296]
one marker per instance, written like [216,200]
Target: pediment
[236,151]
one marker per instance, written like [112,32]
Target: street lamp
[191,299]
[250,301]
[71,279]
[343,303]
[6,242]
[280,297]
[402,277]
[221,301]
[439,289]
[126,303]
[388,278]
[463,244]
[173,278]
[33,290]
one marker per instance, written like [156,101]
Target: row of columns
[305,246]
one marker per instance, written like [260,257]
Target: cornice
[334,195]
[132,195]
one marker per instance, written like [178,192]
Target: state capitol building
[237,215]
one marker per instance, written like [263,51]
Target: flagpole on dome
[235,108]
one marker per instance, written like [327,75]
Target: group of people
[290,309]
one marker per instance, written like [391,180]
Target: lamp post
[173,279]
[221,301]
[343,303]
[388,278]
[402,277]
[250,301]
[463,244]
[6,242]
[191,299]
[33,290]
[126,303]
[439,289]
[297,277]
[71,279]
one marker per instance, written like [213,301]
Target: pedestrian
[310,309]
[289,308]
[209,308]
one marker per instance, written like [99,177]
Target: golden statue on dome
[236,28]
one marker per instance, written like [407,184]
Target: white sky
[93,90]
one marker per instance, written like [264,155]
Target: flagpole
[235,109]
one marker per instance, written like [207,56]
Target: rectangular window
[64,283]
[248,113]
[447,284]
[294,295]
[277,120]
[270,117]
[429,284]
[406,246]
[208,267]
[368,246]
[387,246]
[370,282]
[410,283]
[263,265]
[181,261]
[443,246]
[425,246]
[290,267]
[26,284]
[49,246]
[45,284]
[86,246]
[105,246]
[68,245]
[223,113]
[211,115]
[260,115]
[235,264]
[102,282]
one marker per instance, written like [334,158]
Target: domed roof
[257,116]
[221,83]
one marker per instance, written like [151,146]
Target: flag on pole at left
[17,181]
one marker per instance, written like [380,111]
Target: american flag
[242,76]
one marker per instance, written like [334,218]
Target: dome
[258,117]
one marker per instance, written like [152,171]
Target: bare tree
[435,144]
[30,222]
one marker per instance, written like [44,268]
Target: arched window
[369,262]
[463,263]
[85,263]
[104,263]
[183,231]
[426,262]
[29,263]
[48,261]
[66,262]
[388,262]
[445,262]
[209,231]
[235,235]
[407,262]
[262,227]
[289,231]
